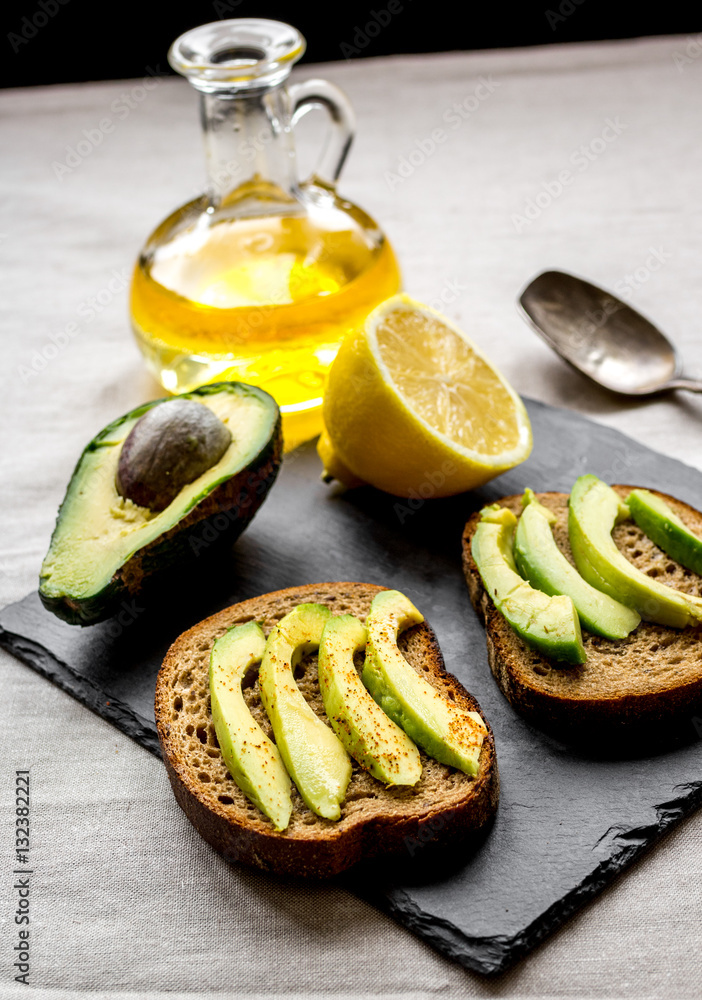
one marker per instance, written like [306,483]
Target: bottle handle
[313,94]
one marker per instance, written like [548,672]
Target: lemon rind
[502,460]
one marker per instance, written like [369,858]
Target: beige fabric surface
[127,901]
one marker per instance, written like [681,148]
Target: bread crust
[645,689]
[447,807]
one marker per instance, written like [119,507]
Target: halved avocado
[104,547]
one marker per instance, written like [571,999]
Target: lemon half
[413,407]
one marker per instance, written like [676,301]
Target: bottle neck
[249,147]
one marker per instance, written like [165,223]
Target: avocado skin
[312,753]
[543,565]
[253,761]
[237,499]
[672,538]
[593,510]
[441,728]
[548,624]
[368,734]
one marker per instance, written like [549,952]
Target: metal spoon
[601,336]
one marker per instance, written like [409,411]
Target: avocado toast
[445,806]
[647,685]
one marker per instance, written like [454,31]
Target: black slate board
[566,824]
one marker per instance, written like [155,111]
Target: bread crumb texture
[653,658]
[190,741]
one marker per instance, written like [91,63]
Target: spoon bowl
[601,336]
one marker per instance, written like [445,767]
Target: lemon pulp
[413,407]
[446,383]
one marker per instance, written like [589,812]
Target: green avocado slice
[593,511]
[445,731]
[251,758]
[549,624]
[314,757]
[543,565]
[368,734]
[665,528]
[104,547]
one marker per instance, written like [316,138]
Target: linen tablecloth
[483,168]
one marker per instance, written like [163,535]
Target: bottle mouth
[239,54]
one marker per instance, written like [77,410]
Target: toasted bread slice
[444,807]
[645,686]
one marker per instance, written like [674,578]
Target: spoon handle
[691,384]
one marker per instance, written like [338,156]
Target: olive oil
[260,278]
[264,300]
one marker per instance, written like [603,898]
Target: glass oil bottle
[259,279]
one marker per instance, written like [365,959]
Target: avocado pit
[169,447]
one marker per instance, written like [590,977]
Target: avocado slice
[549,624]
[314,757]
[593,511]
[251,758]
[368,734]
[445,731]
[543,565]
[104,547]
[664,527]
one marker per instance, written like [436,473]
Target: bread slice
[445,807]
[645,687]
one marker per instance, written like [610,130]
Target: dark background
[59,41]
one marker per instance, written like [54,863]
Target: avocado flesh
[97,531]
[368,734]
[593,511]
[251,758]
[665,528]
[314,757]
[543,565]
[548,624]
[445,731]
